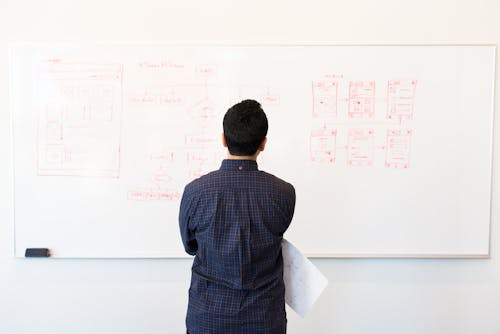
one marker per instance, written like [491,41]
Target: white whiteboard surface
[388,147]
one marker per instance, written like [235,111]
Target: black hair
[245,127]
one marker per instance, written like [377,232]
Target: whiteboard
[389,147]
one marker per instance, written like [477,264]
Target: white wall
[149,296]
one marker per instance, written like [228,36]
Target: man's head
[245,128]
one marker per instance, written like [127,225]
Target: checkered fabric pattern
[233,221]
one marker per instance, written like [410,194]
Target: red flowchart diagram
[357,127]
[356,123]
[195,159]
[193,106]
[398,148]
[360,147]
[322,145]
[361,99]
[325,98]
[162,185]
[79,125]
[400,98]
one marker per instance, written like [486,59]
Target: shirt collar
[237,165]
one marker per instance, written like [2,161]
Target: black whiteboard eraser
[37,252]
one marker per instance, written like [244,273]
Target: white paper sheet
[304,283]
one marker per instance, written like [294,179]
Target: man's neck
[243,157]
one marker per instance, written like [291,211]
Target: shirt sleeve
[185,222]
[290,207]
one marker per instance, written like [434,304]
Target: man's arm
[187,233]
[290,208]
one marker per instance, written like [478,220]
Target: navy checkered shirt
[233,221]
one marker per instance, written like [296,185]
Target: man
[233,221]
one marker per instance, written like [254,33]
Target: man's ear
[263,144]
[224,143]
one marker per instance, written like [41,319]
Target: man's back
[233,220]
